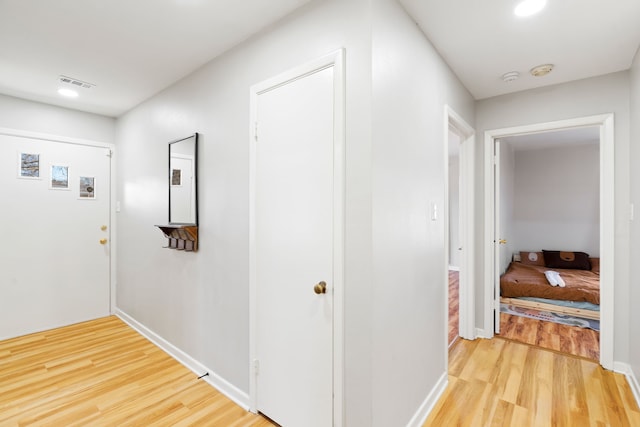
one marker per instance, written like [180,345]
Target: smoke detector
[541,70]
[510,76]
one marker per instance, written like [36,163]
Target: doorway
[296,245]
[493,262]
[459,242]
[57,251]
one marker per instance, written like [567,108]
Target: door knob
[320,288]
[502,241]
[103,241]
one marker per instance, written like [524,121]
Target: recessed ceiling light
[69,93]
[510,76]
[541,70]
[529,7]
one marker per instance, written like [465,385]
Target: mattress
[524,280]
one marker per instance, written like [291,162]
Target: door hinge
[256,366]
[255,130]
[109,153]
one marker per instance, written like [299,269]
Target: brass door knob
[320,288]
[103,241]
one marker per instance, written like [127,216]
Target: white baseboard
[427,406]
[625,368]
[481,333]
[223,386]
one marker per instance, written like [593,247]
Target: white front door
[293,250]
[55,247]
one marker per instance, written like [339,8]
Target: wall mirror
[183,181]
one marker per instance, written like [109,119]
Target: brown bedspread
[522,280]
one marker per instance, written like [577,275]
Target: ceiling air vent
[75,82]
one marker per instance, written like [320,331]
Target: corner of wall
[216,381]
[632,379]
[429,403]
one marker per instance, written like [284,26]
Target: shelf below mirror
[181,237]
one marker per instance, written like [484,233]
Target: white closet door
[294,241]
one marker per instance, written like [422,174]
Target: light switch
[434,212]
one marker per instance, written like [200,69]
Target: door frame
[111,194]
[466,305]
[605,122]
[336,60]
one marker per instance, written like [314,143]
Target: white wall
[598,95]
[16,113]
[634,300]
[411,85]
[557,199]
[395,341]
[200,301]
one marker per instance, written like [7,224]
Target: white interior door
[55,268]
[498,240]
[294,249]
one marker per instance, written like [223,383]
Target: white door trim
[466,327]
[607,221]
[335,60]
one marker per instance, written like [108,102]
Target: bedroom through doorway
[547,232]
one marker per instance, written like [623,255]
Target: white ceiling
[132,49]
[482,39]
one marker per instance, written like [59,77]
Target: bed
[525,285]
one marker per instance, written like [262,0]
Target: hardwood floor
[103,373]
[500,382]
[454,286]
[582,342]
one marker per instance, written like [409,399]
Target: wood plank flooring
[103,373]
[582,342]
[454,298]
[501,382]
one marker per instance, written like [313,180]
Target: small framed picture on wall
[29,166]
[87,187]
[59,177]
[176,177]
